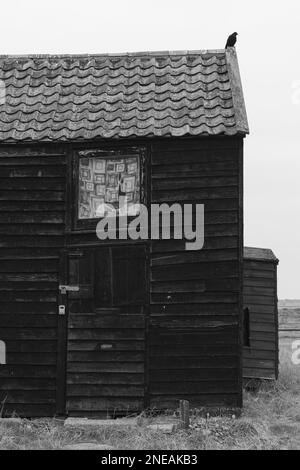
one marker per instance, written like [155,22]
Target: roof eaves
[260,254]
[242,125]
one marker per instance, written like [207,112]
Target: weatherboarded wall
[260,355]
[196,296]
[32,212]
[190,328]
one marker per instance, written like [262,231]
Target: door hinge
[64,289]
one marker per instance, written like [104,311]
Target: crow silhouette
[231,40]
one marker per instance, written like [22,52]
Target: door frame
[62,333]
[62,329]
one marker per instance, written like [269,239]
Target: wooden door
[106,332]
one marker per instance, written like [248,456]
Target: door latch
[64,289]
[61,310]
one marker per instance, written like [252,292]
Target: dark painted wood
[32,210]
[176,338]
[260,357]
[196,297]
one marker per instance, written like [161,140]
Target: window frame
[78,224]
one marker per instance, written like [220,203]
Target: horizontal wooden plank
[28,410]
[29,277]
[193,171]
[205,270]
[17,217]
[251,353]
[7,195]
[194,298]
[262,317]
[29,266]
[211,286]
[38,308]
[196,152]
[32,184]
[179,182]
[106,367]
[24,321]
[172,339]
[191,312]
[28,286]
[258,283]
[261,309]
[31,346]
[31,358]
[31,229]
[193,257]
[196,167]
[100,390]
[27,397]
[44,152]
[258,265]
[193,388]
[259,299]
[187,350]
[105,334]
[262,335]
[263,343]
[83,404]
[254,373]
[105,378]
[29,296]
[259,291]
[254,362]
[262,327]
[115,345]
[29,254]
[33,171]
[113,321]
[160,196]
[28,371]
[26,241]
[194,362]
[32,206]
[40,383]
[259,274]
[210,243]
[36,332]
[161,402]
[106,356]
[193,375]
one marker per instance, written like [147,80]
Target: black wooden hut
[145,322]
[261,352]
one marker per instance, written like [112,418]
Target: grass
[270,420]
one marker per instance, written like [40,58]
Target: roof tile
[51,98]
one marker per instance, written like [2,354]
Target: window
[246,327]
[108,184]
[108,278]
[119,276]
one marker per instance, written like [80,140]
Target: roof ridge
[115,54]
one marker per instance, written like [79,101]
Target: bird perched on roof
[231,40]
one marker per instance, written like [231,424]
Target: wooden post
[185,413]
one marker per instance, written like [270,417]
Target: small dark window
[246,327]
[119,277]
[109,278]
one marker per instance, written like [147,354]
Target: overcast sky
[269,55]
